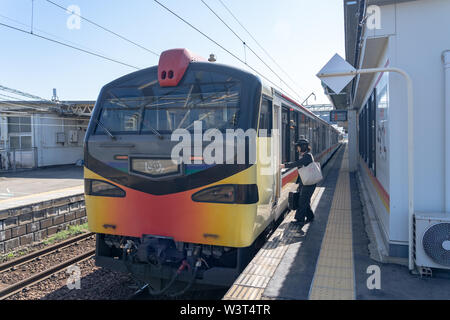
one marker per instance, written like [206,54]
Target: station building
[412,36]
[33,134]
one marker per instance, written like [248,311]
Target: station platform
[24,186]
[329,258]
[38,203]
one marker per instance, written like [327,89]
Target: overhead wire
[103,28]
[258,44]
[17,102]
[25,94]
[246,45]
[11,97]
[68,45]
[26,104]
[142,47]
[50,34]
[217,43]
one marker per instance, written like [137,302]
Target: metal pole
[446,62]
[14,159]
[409,85]
[306,100]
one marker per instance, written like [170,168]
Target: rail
[14,264]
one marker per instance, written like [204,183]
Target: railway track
[38,255]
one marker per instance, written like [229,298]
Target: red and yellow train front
[132,186]
[175,215]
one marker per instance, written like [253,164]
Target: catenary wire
[259,45]
[216,43]
[50,34]
[68,45]
[104,28]
[246,45]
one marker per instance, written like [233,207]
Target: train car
[171,222]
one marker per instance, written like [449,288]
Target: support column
[352,141]
[446,61]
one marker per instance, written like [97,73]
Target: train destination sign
[338,115]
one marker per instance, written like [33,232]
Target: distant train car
[170,223]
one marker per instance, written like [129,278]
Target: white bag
[311,174]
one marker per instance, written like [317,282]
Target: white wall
[3,131]
[418,31]
[51,152]
[383,214]
[422,34]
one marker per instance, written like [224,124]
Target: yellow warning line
[41,194]
[334,275]
[251,283]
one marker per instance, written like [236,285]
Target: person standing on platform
[304,213]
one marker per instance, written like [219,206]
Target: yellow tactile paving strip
[253,280]
[334,275]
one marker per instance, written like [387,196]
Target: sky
[300,35]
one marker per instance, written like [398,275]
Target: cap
[302,141]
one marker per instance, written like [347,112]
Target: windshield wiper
[160,136]
[106,129]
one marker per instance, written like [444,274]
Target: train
[174,221]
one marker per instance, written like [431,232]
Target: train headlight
[154,167]
[102,189]
[228,193]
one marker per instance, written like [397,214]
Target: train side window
[265,117]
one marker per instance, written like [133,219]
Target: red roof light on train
[173,64]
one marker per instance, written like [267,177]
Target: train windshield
[143,107]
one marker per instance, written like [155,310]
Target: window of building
[19,124]
[14,142]
[19,132]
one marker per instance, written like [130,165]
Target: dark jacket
[305,160]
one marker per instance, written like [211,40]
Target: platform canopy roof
[62,108]
[354,13]
[14,101]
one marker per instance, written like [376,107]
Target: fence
[13,159]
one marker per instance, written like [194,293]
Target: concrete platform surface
[329,259]
[25,183]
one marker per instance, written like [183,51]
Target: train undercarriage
[172,268]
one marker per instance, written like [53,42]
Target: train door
[292,135]
[267,167]
[276,138]
[297,133]
[285,134]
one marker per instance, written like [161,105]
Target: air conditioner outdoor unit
[431,247]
